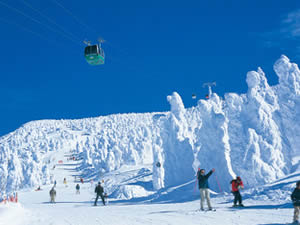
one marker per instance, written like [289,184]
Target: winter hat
[238,178]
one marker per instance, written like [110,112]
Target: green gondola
[94,54]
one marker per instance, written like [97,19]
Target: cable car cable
[22,27]
[26,29]
[74,17]
[50,20]
[36,21]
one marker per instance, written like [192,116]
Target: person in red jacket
[236,185]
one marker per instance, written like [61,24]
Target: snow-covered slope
[254,135]
[104,143]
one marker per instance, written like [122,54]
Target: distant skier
[203,186]
[54,183]
[92,182]
[236,185]
[52,195]
[296,202]
[65,182]
[81,180]
[77,189]
[99,191]
[38,189]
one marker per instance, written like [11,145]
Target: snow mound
[129,192]
[277,191]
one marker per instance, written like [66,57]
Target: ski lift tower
[209,85]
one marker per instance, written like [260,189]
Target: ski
[206,210]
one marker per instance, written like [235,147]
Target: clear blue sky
[153,48]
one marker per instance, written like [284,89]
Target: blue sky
[153,48]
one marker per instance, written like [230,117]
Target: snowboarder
[203,187]
[296,202]
[77,189]
[52,195]
[236,185]
[99,191]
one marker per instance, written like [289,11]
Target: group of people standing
[99,190]
[236,185]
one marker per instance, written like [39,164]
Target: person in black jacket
[296,202]
[99,191]
[203,187]
[78,189]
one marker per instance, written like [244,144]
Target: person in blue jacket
[203,187]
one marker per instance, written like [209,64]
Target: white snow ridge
[254,135]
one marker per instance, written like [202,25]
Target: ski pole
[218,183]
[195,186]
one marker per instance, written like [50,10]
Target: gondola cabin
[94,55]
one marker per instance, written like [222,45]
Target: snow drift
[253,135]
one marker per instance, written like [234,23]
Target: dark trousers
[102,197]
[237,197]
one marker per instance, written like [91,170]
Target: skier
[296,202]
[38,189]
[236,185]
[54,183]
[52,195]
[77,189]
[99,191]
[81,180]
[203,187]
[65,182]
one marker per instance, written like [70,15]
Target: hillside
[254,135]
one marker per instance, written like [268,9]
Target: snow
[176,205]
[12,214]
[148,161]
